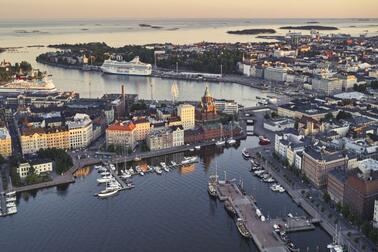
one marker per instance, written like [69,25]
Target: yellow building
[142,129]
[187,114]
[5,142]
[34,139]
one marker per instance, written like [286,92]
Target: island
[310,27]
[252,31]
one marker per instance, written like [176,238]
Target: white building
[298,160]
[187,114]
[177,136]
[227,107]
[275,74]
[375,216]
[284,53]
[80,130]
[278,125]
[328,86]
[40,166]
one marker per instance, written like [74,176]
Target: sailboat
[231,140]
[221,141]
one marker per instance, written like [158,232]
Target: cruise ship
[44,85]
[133,67]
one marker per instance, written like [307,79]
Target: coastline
[170,74]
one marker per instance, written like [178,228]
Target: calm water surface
[172,212]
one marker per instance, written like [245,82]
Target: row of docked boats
[258,171]
[284,238]
[112,186]
[8,204]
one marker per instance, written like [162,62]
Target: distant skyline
[167,9]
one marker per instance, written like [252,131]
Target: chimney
[123,101]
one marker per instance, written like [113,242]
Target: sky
[166,9]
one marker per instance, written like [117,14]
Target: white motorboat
[104,179]
[173,163]
[131,171]
[105,173]
[11,204]
[102,169]
[245,153]
[97,167]
[197,147]
[11,199]
[12,210]
[166,168]
[11,194]
[189,160]
[220,142]
[231,141]
[158,170]
[112,167]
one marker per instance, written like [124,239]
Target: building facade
[5,143]
[187,114]
[80,130]
[121,135]
[317,163]
[142,128]
[34,139]
[40,166]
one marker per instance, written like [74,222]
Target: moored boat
[264,140]
[229,208]
[107,193]
[245,153]
[240,224]
[211,190]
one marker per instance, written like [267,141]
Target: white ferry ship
[133,67]
[44,85]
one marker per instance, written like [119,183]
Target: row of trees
[363,88]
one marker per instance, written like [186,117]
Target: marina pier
[262,232]
[261,229]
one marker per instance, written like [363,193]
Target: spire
[207,91]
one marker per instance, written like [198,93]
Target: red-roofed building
[121,135]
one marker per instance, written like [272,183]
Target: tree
[374,84]
[25,66]
[296,124]
[359,88]
[343,115]
[326,197]
[2,159]
[63,161]
[16,180]
[328,116]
